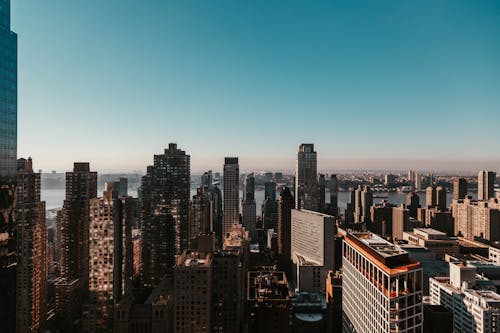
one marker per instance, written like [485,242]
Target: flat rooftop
[389,257]
[430,231]
[380,245]
[313,213]
[194,259]
[268,285]
[486,295]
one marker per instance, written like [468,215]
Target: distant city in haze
[249,167]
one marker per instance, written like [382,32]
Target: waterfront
[54,197]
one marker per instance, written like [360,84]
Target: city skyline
[198,69]
[378,208]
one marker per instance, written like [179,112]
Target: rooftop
[268,285]
[380,245]
[389,257]
[487,295]
[311,212]
[194,259]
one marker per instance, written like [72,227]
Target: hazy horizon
[325,164]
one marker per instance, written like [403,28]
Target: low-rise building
[434,240]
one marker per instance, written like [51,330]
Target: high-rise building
[216,212]
[363,202]
[231,194]
[31,289]
[400,221]
[110,257]
[248,205]
[312,248]
[8,255]
[334,192]
[471,298]
[207,179]
[227,291]
[270,214]
[351,206]
[121,187]
[268,302]
[306,178]
[8,93]
[441,198]
[382,287]
[459,188]
[8,156]
[486,185]
[478,219]
[418,182]
[381,219]
[81,186]
[322,193]
[285,205]
[165,193]
[193,292]
[413,204]
[199,214]
[411,177]
[430,197]
[270,190]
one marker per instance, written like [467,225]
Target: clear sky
[374,84]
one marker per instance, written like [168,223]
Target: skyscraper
[441,198]
[165,192]
[382,287]
[306,178]
[248,205]
[8,155]
[31,289]
[486,185]
[81,186]
[334,192]
[459,188]
[312,248]
[322,193]
[111,257]
[285,206]
[231,193]
[413,203]
[121,187]
[193,292]
[227,287]
[270,190]
[216,211]
[363,202]
[8,93]
[199,214]
[400,221]
[430,197]
[207,179]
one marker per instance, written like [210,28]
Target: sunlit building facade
[382,287]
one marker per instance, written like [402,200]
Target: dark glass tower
[8,93]
[8,152]
[164,213]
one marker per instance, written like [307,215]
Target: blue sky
[374,84]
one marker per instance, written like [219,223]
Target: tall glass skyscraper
[8,93]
